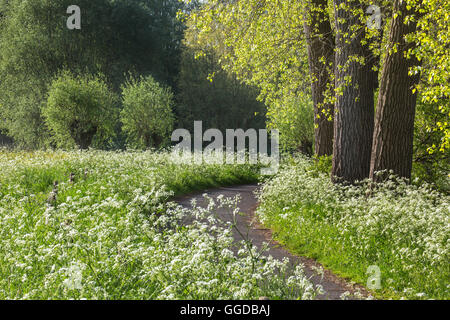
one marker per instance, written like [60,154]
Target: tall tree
[394,124]
[263,43]
[141,36]
[320,41]
[355,84]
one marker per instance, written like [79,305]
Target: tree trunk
[85,138]
[354,108]
[320,40]
[5,140]
[394,123]
[157,140]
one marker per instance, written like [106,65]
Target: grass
[111,233]
[400,228]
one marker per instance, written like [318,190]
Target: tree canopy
[116,37]
[265,43]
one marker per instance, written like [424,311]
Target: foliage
[247,39]
[116,37]
[222,102]
[80,111]
[431,167]
[146,116]
[20,110]
[323,164]
[294,118]
[264,44]
[433,41]
[402,229]
[261,42]
[111,234]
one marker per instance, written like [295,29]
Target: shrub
[147,116]
[20,110]
[294,118]
[80,111]
[430,164]
[323,164]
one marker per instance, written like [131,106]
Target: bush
[323,164]
[20,110]
[430,164]
[294,118]
[147,116]
[80,111]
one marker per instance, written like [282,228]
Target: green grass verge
[402,229]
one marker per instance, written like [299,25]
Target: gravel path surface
[333,285]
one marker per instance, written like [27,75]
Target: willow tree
[115,37]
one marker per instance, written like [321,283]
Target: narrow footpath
[333,285]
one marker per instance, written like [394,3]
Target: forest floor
[249,226]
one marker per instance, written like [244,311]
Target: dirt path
[333,285]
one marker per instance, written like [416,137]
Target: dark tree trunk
[306,148]
[5,140]
[320,40]
[157,140]
[85,138]
[394,123]
[354,109]
[82,138]
[147,140]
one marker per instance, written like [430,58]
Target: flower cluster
[109,231]
[402,228]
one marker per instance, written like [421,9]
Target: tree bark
[354,108]
[394,123]
[320,40]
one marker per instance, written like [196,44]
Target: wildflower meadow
[109,231]
[400,228]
